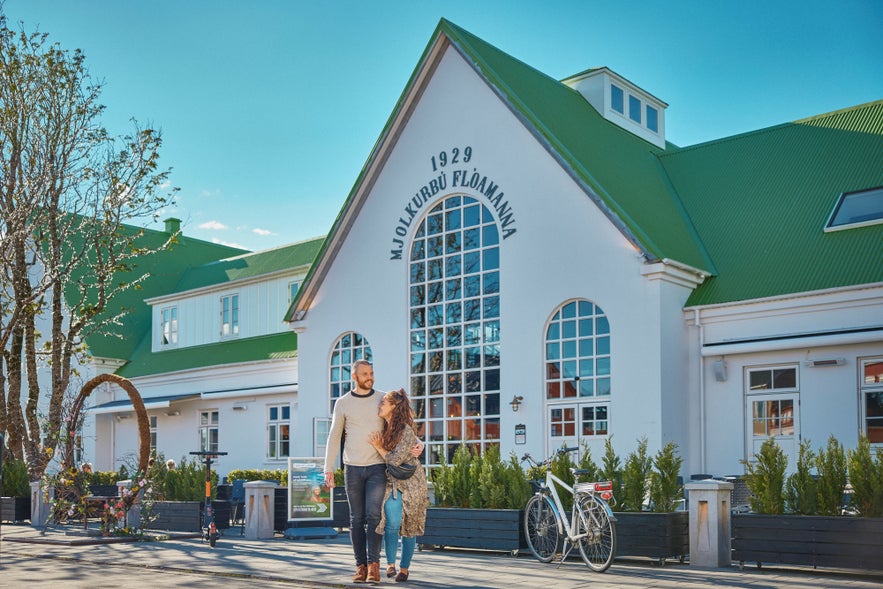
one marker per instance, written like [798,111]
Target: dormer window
[617,99]
[168,327]
[622,103]
[857,209]
[230,316]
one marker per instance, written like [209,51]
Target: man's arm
[332,445]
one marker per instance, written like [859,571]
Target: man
[355,414]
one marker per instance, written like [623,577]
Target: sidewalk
[328,563]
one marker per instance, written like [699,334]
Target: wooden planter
[15,509]
[817,541]
[659,536]
[177,516]
[487,529]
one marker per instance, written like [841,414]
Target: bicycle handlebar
[558,452]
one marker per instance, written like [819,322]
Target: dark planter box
[177,516]
[658,536]
[817,541]
[15,509]
[487,529]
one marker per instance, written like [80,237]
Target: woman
[404,505]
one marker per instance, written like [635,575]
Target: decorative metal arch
[140,413]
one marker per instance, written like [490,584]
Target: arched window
[350,347]
[577,373]
[454,283]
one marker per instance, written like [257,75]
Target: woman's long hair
[402,416]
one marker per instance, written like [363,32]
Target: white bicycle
[591,526]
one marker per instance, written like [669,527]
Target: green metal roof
[145,362]
[760,202]
[618,168]
[165,268]
[250,265]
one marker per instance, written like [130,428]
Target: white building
[538,266]
[210,356]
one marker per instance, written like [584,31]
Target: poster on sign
[308,497]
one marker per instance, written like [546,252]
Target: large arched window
[454,282]
[350,347]
[577,373]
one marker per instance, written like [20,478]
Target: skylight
[857,209]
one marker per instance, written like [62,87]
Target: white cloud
[260,231]
[216,225]
[229,244]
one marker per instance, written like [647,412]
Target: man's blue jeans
[393,511]
[365,487]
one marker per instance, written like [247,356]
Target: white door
[777,416]
[571,424]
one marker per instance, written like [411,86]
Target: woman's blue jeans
[393,511]
[365,487]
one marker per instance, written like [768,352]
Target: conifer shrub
[665,491]
[831,467]
[866,478]
[801,488]
[765,478]
[635,475]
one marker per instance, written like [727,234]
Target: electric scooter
[209,529]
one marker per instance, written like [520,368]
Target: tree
[68,191]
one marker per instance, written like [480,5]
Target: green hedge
[251,474]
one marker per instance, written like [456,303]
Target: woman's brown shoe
[390,571]
[402,576]
[361,574]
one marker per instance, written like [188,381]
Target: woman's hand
[375,440]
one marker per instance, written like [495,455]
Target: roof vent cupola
[173,225]
[622,103]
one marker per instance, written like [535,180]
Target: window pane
[652,119]
[634,109]
[617,99]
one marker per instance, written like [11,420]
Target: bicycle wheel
[598,547]
[541,528]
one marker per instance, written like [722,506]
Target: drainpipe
[701,329]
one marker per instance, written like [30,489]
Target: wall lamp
[173,413]
[516,402]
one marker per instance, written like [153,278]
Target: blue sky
[269,109]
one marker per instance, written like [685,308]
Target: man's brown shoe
[373,572]
[361,574]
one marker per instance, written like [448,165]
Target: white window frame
[153,434]
[230,315]
[866,387]
[275,427]
[168,326]
[321,429]
[293,287]
[209,421]
[789,442]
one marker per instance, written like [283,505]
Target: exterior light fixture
[516,402]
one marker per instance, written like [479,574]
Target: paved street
[238,563]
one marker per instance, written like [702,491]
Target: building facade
[537,266]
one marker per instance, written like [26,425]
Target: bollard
[260,499]
[709,523]
[40,503]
